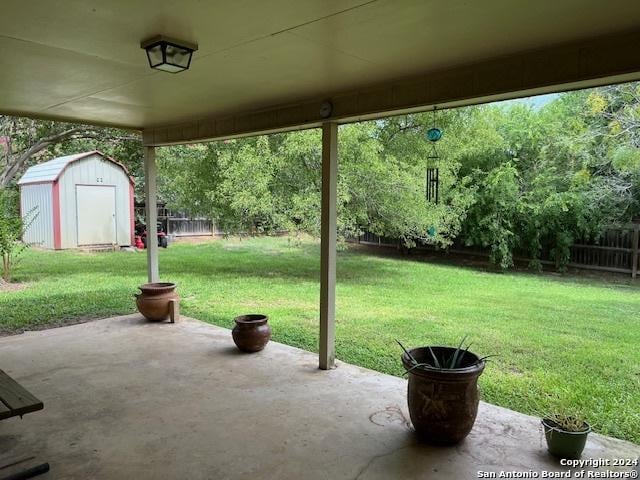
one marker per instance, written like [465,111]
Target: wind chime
[432,179]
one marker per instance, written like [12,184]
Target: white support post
[151,212]
[328,245]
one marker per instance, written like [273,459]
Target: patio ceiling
[265,66]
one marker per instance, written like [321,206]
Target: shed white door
[96,214]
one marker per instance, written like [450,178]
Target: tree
[25,141]
[574,175]
[492,220]
[513,178]
[273,182]
[614,120]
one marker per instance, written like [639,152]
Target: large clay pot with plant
[442,392]
[566,435]
[153,300]
[251,332]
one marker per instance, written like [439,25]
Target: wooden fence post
[635,246]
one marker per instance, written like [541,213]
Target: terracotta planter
[251,332]
[153,301]
[443,404]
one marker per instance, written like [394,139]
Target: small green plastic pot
[563,444]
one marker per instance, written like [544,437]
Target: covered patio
[126,398]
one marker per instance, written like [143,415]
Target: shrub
[12,227]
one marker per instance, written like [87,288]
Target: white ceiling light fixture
[167,54]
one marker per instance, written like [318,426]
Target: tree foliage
[273,182]
[514,178]
[25,142]
[12,227]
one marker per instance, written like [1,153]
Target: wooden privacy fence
[190,227]
[616,250]
[180,224]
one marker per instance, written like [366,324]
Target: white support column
[328,246]
[151,212]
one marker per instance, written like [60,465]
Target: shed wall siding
[93,170]
[38,196]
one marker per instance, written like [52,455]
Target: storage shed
[86,199]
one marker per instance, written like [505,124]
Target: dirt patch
[12,287]
[515,371]
[197,239]
[481,263]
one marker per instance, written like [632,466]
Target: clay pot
[251,332]
[443,403]
[153,302]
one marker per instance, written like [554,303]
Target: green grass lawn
[560,341]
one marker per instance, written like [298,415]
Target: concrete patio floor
[127,399]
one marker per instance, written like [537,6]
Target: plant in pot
[566,434]
[443,391]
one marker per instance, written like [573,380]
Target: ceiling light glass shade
[168,55]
